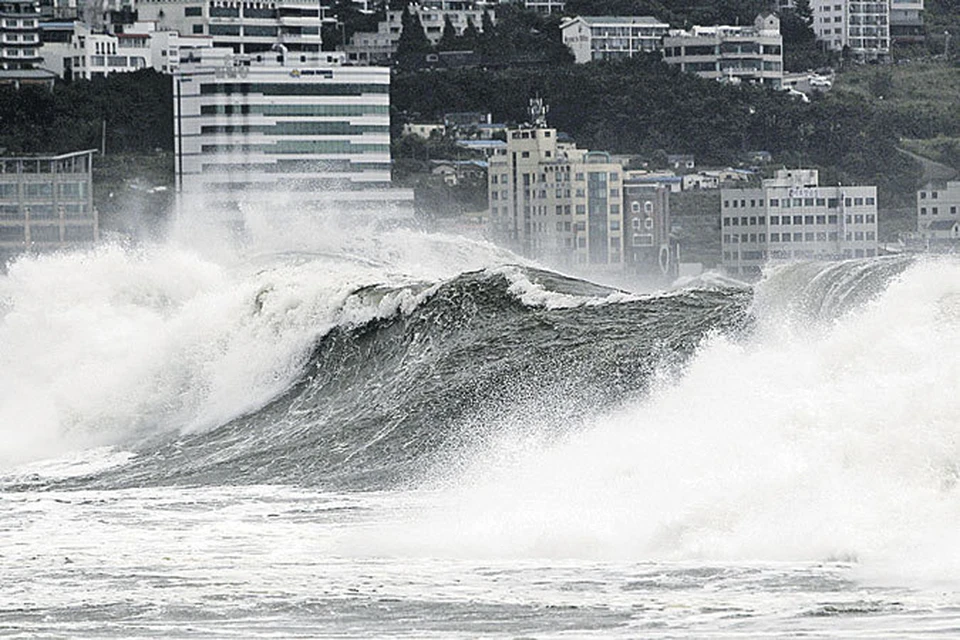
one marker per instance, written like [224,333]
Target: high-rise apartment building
[20,56]
[792,217]
[282,130]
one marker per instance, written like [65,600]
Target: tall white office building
[275,129]
[792,217]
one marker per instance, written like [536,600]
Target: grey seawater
[280,562]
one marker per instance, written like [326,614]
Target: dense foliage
[640,106]
[127,111]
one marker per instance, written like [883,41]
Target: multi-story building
[649,247]
[861,29]
[937,202]
[553,202]
[792,217]
[73,50]
[243,26]
[268,129]
[906,22]
[736,54]
[20,57]
[46,203]
[611,37]
[545,6]
[97,55]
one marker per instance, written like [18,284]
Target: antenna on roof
[538,113]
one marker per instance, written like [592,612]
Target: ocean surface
[406,435]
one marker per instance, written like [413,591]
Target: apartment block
[730,53]
[553,202]
[46,203]
[268,130]
[20,57]
[243,26]
[611,37]
[792,217]
[861,29]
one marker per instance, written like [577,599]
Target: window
[192,11]
[774,220]
[774,202]
[797,219]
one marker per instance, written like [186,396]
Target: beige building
[46,203]
[734,54]
[553,202]
[792,217]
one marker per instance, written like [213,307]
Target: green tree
[448,39]
[413,41]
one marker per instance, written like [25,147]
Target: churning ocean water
[419,436]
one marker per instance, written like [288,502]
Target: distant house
[701,180]
[943,230]
[424,130]
[681,161]
[672,182]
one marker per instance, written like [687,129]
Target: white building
[97,55]
[736,54]
[243,26]
[860,28]
[89,54]
[791,217]
[268,130]
[611,37]
[553,202]
[937,202]
[545,6]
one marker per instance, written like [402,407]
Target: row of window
[786,203]
[936,210]
[744,221]
[299,110]
[298,146]
[291,89]
[65,190]
[48,233]
[296,128]
[801,236]
[800,254]
[42,211]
